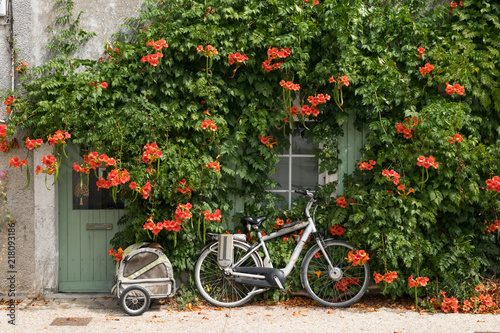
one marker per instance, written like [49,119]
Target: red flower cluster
[59,138]
[50,162]
[337,230]
[21,68]
[209,51]
[266,140]
[93,161]
[457,138]
[426,69]
[487,301]
[316,2]
[154,227]
[212,216]
[407,127]
[208,124]
[158,45]
[319,99]
[117,51]
[453,5]
[295,111]
[237,57]
[183,212]
[366,165]
[171,226]
[342,80]
[32,144]
[388,277]
[345,80]
[6,145]
[16,163]
[3,131]
[184,188]
[115,178]
[358,258]
[480,304]
[392,176]
[427,162]
[151,153]
[402,188]
[8,102]
[273,53]
[493,184]
[341,202]
[144,190]
[420,51]
[419,282]
[214,165]
[314,100]
[103,84]
[456,88]
[449,304]
[344,283]
[152,59]
[494,227]
[306,110]
[118,255]
[289,85]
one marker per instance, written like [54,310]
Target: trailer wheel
[135,300]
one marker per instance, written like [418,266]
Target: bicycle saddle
[253,221]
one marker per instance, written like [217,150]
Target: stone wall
[35,208]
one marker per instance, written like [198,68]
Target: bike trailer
[144,273]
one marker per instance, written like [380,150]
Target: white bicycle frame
[310,228]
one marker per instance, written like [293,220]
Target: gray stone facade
[35,208]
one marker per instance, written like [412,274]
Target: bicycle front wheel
[219,288]
[337,286]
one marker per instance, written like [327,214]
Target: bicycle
[229,271]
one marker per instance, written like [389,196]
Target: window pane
[282,174]
[282,200]
[92,197]
[301,145]
[304,173]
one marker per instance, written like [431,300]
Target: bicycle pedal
[283,291]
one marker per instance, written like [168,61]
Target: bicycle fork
[334,272]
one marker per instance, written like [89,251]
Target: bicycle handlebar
[311,194]
[303,192]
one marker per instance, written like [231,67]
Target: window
[297,168]
[91,197]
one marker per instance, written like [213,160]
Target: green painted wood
[348,151]
[84,265]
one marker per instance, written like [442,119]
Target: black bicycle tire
[340,261]
[222,282]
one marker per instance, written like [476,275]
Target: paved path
[103,314]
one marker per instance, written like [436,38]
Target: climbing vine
[193,104]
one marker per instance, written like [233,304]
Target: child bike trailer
[143,274]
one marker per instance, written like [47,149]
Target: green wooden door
[87,222]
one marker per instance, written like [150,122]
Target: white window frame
[323,178]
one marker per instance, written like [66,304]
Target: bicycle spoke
[217,287]
[341,284]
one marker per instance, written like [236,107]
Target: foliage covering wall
[417,79]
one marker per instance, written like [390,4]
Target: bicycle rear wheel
[338,287]
[218,288]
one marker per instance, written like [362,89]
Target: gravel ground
[103,314]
